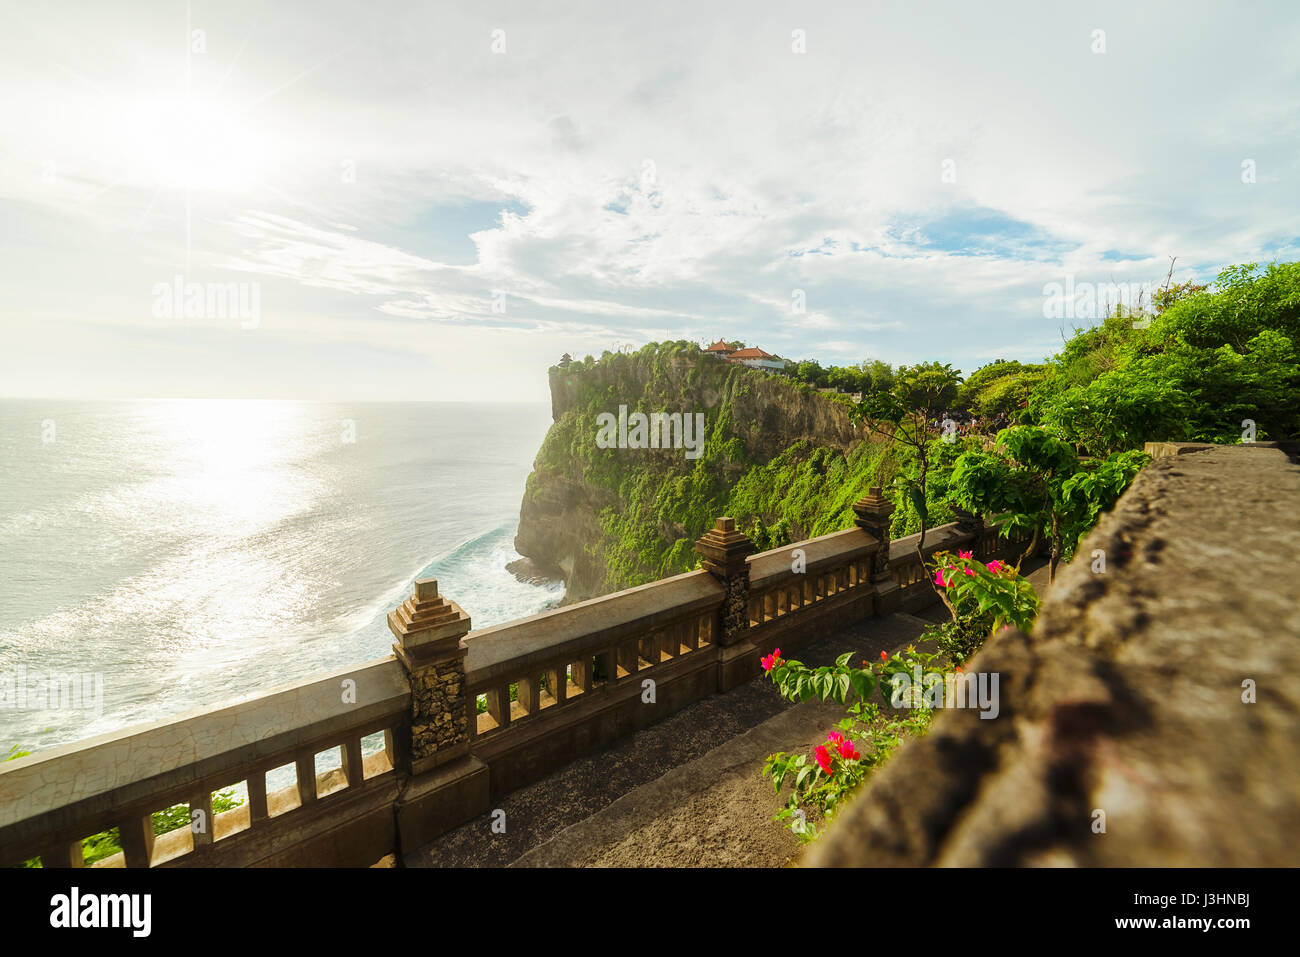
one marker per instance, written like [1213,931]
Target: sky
[434,201]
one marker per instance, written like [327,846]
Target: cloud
[920,179]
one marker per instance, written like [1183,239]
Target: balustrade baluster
[352,766]
[136,834]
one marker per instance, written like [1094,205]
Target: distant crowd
[970,424]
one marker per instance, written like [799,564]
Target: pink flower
[996,565]
[968,571]
[834,737]
[823,758]
[938,578]
[848,752]
[772,660]
[961,554]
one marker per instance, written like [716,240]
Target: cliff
[785,461]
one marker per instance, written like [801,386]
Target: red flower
[834,737]
[823,758]
[884,657]
[848,752]
[772,660]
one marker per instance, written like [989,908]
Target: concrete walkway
[687,791]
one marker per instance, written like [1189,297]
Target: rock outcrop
[1153,716]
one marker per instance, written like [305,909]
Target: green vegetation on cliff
[783,460]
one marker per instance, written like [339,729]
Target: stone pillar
[429,630]
[723,551]
[445,785]
[874,513]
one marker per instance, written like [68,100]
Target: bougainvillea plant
[859,744]
[982,598]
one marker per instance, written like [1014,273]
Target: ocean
[183,553]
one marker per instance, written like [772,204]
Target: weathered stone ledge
[1127,700]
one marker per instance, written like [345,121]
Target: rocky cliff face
[603,519]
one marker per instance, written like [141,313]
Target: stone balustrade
[52,800]
[456,717]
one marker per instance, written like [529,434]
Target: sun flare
[190,141]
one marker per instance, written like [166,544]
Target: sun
[188,141]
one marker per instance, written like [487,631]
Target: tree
[1041,486]
[811,372]
[927,386]
[1000,387]
[877,376]
[844,379]
[565,360]
[907,413]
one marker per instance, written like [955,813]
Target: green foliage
[1121,410]
[868,376]
[814,790]
[1000,387]
[927,386]
[1208,360]
[931,504]
[983,598]
[820,786]
[877,376]
[1038,484]
[1086,494]
[811,372]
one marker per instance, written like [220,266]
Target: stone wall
[1152,718]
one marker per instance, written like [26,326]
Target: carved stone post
[429,629]
[874,513]
[723,551]
[446,785]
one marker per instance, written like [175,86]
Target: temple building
[752,356]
